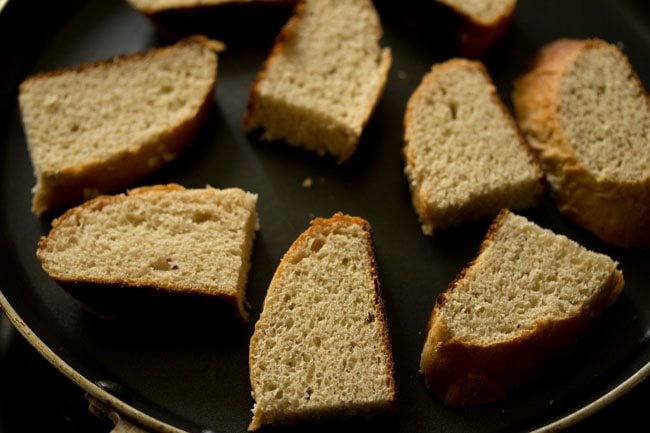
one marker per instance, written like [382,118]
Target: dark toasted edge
[384,64]
[114,300]
[498,221]
[493,380]
[341,218]
[67,187]
[318,224]
[380,305]
[106,297]
[498,369]
[110,175]
[442,297]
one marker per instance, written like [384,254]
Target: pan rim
[150,422]
[77,378]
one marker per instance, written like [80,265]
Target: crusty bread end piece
[321,347]
[465,158]
[323,77]
[586,116]
[526,299]
[97,127]
[167,238]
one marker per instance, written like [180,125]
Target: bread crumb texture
[465,158]
[586,116]
[320,348]
[111,121]
[323,77]
[525,300]
[605,115]
[166,237]
[524,276]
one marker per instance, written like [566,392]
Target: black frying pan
[192,373]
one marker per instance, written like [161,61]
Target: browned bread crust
[466,373]
[318,227]
[75,184]
[618,212]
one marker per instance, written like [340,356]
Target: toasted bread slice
[527,298]
[97,127]
[586,116]
[166,238]
[465,158]
[483,23]
[323,78]
[321,347]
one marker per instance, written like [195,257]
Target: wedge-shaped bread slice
[323,78]
[97,127]
[321,348]
[465,159]
[586,115]
[483,22]
[163,238]
[527,298]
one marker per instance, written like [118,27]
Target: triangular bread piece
[158,239]
[95,128]
[321,348]
[323,77]
[527,297]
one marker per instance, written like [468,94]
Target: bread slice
[483,23]
[166,238]
[526,298]
[321,347]
[465,158]
[586,116]
[97,127]
[323,78]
